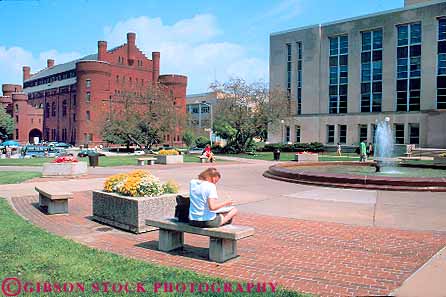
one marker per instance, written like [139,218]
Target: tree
[246,111]
[7,124]
[143,117]
[189,138]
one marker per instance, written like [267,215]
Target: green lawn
[32,254]
[103,161]
[289,156]
[16,177]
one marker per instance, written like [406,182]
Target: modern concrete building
[342,77]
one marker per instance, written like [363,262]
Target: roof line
[400,9]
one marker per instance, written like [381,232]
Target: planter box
[169,159]
[439,160]
[306,157]
[64,169]
[130,213]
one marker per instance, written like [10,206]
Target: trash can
[276,154]
[93,159]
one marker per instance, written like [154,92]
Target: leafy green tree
[189,138]
[144,117]
[202,141]
[7,124]
[246,111]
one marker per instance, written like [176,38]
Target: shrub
[296,147]
[138,183]
[168,152]
[202,141]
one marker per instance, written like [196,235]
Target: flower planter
[64,169]
[306,157]
[169,159]
[439,160]
[130,213]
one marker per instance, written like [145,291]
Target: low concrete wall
[130,213]
[169,159]
[64,169]
[306,157]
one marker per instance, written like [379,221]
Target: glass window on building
[287,134]
[288,69]
[87,115]
[343,134]
[299,77]
[88,97]
[399,133]
[297,131]
[53,109]
[64,108]
[362,133]
[414,133]
[371,71]
[16,133]
[330,133]
[338,69]
[408,85]
[205,109]
[88,83]
[441,64]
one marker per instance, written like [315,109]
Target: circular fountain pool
[360,175]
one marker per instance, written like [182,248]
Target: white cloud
[188,47]
[285,10]
[14,58]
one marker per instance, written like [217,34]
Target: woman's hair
[209,173]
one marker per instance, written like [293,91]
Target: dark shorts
[216,222]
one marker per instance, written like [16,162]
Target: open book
[224,209]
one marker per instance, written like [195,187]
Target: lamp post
[212,119]
[281,124]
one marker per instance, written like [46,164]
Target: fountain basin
[360,175]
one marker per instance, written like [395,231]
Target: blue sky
[204,40]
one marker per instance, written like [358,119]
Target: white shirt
[200,191]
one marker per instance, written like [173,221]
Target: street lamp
[281,124]
[212,118]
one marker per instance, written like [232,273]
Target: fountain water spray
[384,143]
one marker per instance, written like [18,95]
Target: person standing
[363,151]
[339,150]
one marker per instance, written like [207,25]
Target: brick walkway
[323,258]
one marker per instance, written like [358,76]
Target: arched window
[64,108]
[53,109]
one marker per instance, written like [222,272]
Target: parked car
[195,150]
[84,153]
[62,144]
[42,151]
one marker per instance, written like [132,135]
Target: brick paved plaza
[309,239]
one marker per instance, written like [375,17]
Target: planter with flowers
[306,157]
[440,159]
[169,157]
[129,199]
[64,166]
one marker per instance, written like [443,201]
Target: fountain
[385,173]
[383,145]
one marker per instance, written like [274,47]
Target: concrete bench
[54,200]
[142,161]
[222,240]
[204,159]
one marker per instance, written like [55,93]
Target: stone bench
[204,159]
[142,161]
[53,199]
[222,240]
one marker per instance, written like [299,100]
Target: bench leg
[140,163]
[58,206]
[43,201]
[221,250]
[151,162]
[170,240]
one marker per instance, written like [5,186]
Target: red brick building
[70,102]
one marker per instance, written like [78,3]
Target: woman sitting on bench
[204,205]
